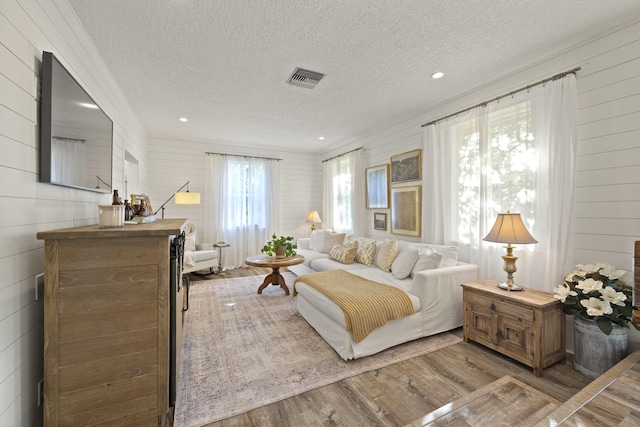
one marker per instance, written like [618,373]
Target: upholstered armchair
[198,256]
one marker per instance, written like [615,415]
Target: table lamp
[313,218]
[509,229]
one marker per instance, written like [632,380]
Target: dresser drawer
[482,302]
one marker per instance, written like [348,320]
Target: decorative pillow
[427,261]
[388,253]
[449,255]
[316,240]
[404,262]
[190,242]
[343,254]
[366,251]
[330,240]
[350,240]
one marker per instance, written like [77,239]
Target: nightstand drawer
[506,308]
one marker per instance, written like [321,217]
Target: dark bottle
[128,211]
[116,198]
[143,209]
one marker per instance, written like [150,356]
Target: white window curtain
[343,192]
[242,204]
[68,157]
[517,154]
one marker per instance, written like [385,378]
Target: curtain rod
[513,92]
[346,152]
[240,155]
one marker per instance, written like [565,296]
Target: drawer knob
[493,307]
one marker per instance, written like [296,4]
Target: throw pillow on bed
[427,260]
[403,264]
[388,253]
[330,240]
[366,252]
[316,240]
[343,254]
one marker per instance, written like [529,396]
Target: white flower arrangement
[598,292]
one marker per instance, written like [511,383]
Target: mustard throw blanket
[366,304]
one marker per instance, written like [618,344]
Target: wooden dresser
[527,325]
[107,324]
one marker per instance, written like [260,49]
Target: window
[343,192]
[247,188]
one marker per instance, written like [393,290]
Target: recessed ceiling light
[88,105]
[437,75]
[321,138]
[183,119]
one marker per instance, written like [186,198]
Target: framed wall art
[380,221]
[406,166]
[378,187]
[406,210]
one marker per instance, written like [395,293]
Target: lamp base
[508,287]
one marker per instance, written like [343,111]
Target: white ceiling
[224,64]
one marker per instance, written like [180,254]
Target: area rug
[242,350]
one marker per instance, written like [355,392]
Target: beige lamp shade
[509,229]
[187,198]
[313,217]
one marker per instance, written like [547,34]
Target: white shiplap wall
[607,190]
[173,163]
[28,27]
[607,181]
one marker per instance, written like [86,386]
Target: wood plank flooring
[402,393]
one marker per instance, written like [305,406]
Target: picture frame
[378,187]
[406,167]
[406,210]
[380,221]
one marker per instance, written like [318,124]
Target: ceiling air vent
[305,78]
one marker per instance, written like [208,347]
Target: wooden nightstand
[527,326]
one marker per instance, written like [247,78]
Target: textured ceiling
[224,64]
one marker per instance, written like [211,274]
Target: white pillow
[316,240]
[449,255]
[403,264]
[388,253]
[190,242]
[428,260]
[331,239]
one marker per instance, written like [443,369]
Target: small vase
[594,351]
[280,252]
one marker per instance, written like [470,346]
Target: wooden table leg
[276,279]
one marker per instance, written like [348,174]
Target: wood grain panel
[86,350]
[105,322]
[104,298]
[107,371]
[109,275]
[84,254]
[91,399]
[137,412]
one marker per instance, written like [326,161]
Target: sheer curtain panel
[343,192]
[517,154]
[242,207]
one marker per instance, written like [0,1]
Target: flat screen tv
[76,136]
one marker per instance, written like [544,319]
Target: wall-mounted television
[76,136]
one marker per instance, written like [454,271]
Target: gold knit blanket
[366,304]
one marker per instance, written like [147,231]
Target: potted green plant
[599,298]
[281,246]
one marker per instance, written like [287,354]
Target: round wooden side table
[274,278]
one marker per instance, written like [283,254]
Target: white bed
[436,296]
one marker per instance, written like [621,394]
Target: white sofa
[436,295]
